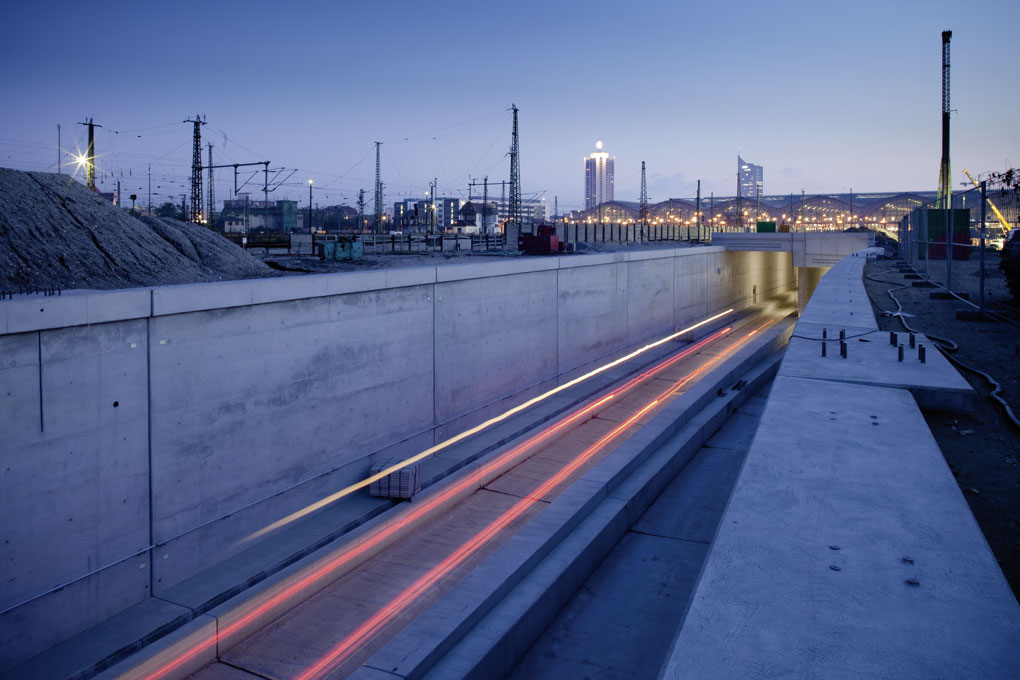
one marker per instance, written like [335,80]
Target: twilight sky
[826,96]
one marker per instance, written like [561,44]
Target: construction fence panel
[953,258]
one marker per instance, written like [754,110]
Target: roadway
[453,530]
[622,621]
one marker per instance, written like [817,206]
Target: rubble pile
[55,233]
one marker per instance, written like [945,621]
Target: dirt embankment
[54,232]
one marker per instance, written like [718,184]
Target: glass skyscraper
[749,179]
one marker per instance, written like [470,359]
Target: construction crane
[1003,222]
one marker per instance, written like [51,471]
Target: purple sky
[825,96]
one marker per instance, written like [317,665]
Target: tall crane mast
[945,194]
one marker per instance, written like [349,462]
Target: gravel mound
[54,232]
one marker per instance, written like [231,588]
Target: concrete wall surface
[809,248]
[188,417]
[847,548]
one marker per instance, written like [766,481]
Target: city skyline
[839,104]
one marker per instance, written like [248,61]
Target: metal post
[949,246]
[981,271]
[925,214]
[698,204]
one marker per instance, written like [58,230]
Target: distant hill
[54,232]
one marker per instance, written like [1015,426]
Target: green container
[931,226]
[766,227]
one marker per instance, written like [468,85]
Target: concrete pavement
[847,549]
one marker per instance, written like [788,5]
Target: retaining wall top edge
[83,307]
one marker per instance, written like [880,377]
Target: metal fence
[963,249]
[381,244]
[615,232]
[567,232]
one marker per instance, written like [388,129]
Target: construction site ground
[982,448]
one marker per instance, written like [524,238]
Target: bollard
[892,338]
[900,352]
[823,347]
[920,352]
[912,341]
[825,333]
[842,335]
[842,348]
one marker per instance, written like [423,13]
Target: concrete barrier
[146,431]
[847,549]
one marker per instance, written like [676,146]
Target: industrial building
[412,214]
[243,214]
[470,216]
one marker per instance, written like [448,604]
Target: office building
[749,179]
[598,177]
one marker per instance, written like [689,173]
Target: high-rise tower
[598,177]
[749,179]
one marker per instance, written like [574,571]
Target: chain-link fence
[966,249]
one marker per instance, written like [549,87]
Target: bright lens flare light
[346,491]
[371,627]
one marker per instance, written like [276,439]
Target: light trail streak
[372,539]
[346,491]
[373,625]
[380,619]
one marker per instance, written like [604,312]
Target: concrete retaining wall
[190,416]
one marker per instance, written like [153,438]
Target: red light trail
[379,535]
[372,626]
